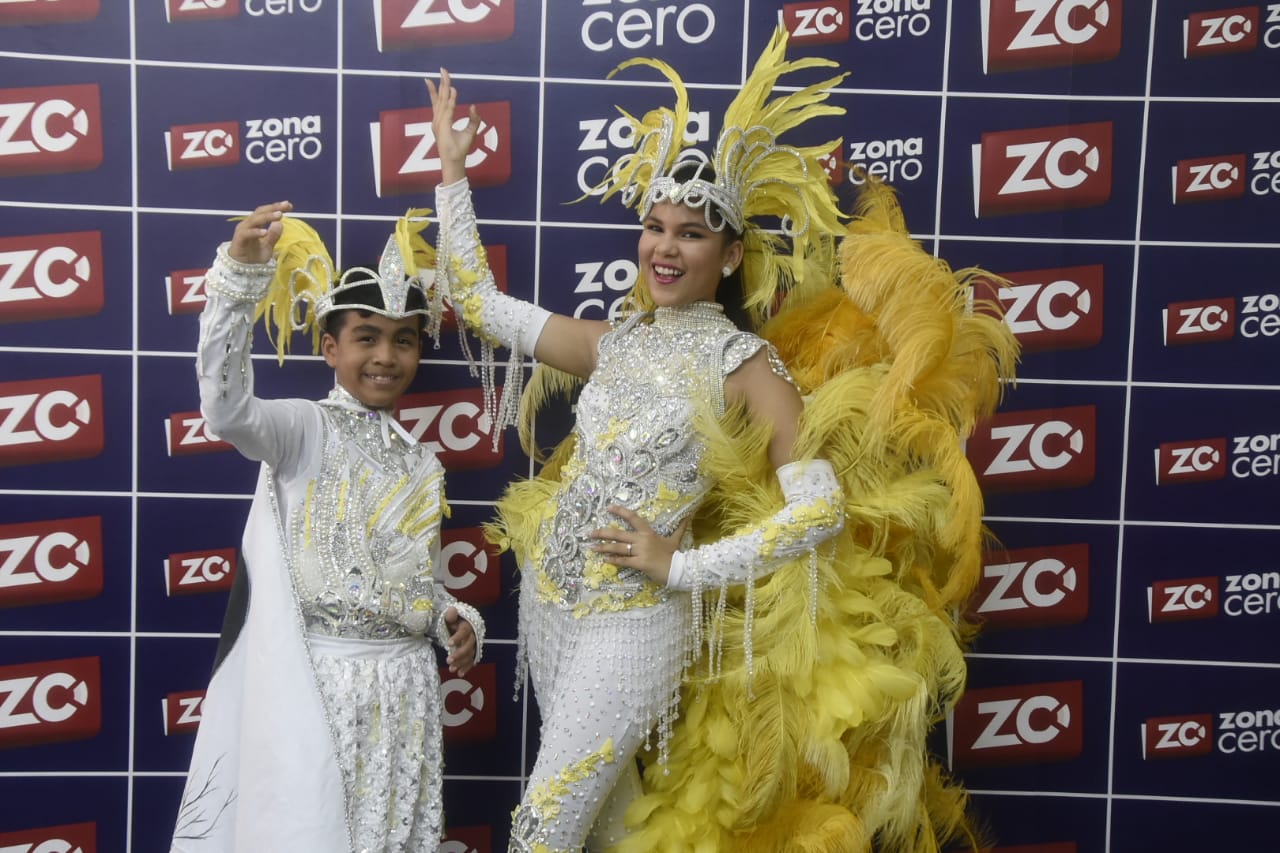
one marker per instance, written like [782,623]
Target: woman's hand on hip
[641,548]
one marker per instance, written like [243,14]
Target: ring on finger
[628,549]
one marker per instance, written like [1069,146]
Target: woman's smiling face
[681,258]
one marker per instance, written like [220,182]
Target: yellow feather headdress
[755,175]
[306,288]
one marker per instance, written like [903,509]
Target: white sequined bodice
[636,444]
[361,540]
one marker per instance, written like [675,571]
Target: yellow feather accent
[415,251]
[303,270]
[825,750]
[544,384]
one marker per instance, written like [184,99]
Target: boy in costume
[321,727]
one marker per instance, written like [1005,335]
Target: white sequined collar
[696,315]
[341,398]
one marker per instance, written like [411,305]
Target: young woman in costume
[693,530]
[321,726]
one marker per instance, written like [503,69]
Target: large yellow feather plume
[304,272]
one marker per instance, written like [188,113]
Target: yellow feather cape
[824,749]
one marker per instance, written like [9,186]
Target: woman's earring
[726,270]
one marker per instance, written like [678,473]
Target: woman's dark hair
[367,294]
[730,292]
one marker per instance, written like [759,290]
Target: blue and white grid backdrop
[1118,161]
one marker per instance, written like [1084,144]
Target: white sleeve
[263,430]
[495,316]
[813,512]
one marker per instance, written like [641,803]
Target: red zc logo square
[42,562]
[470,712]
[188,433]
[50,420]
[1200,321]
[195,572]
[54,700]
[1177,737]
[1221,31]
[182,712]
[50,130]
[1047,168]
[1036,449]
[1209,178]
[467,839]
[47,12]
[1182,599]
[1023,34]
[471,568]
[822,22]
[200,10]
[67,838]
[185,289]
[429,23]
[405,154]
[1191,461]
[51,276]
[1051,309]
[1034,587]
[1021,724]
[454,425]
[202,146]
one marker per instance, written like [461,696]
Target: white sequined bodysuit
[321,729]
[607,646]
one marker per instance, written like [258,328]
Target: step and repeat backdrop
[1118,162]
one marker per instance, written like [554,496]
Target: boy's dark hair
[729,293]
[367,294]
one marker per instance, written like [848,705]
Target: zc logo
[200,10]
[46,12]
[67,838]
[1225,31]
[469,713]
[1050,168]
[1191,461]
[1209,178]
[188,433]
[50,130]
[1023,34]
[1034,587]
[200,146]
[181,712]
[43,562]
[454,425]
[56,700]
[1199,322]
[467,839]
[51,276]
[1035,449]
[430,23]
[47,420]
[405,157]
[1025,724]
[196,572]
[817,23]
[1053,309]
[1177,737]
[1182,599]
[471,568]
[185,289]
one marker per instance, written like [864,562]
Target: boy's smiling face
[375,358]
